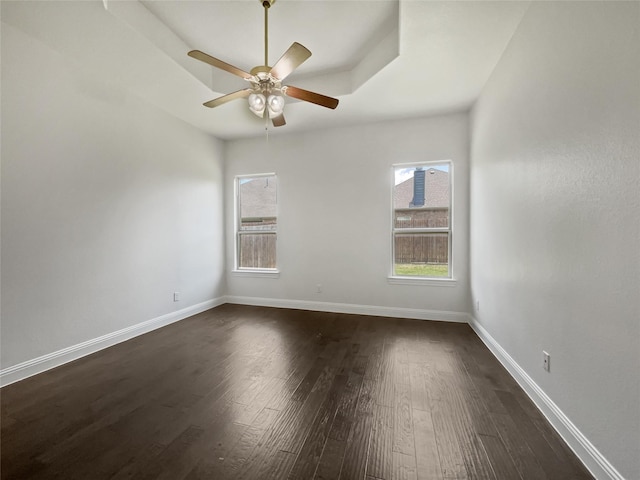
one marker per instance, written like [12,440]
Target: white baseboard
[34,366]
[377,311]
[592,459]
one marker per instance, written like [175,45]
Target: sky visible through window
[403,173]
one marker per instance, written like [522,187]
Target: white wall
[108,206]
[334,212]
[555,214]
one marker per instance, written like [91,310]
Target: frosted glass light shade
[257,103]
[275,104]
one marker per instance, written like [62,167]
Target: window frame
[252,271]
[394,278]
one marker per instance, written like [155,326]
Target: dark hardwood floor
[261,393]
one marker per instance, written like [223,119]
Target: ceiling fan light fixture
[275,104]
[257,104]
[266,92]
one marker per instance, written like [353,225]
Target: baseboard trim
[376,311]
[41,364]
[592,459]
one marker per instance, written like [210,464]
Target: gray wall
[108,206]
[334,202]
[555,214]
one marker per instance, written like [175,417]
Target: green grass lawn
[422,270]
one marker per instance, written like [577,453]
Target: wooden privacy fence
[421,247]
[258,250]
[416,248]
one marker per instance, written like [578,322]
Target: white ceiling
[383,59]
[335,31]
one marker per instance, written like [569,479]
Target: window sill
[432,282]
[256,273]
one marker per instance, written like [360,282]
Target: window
[256,222]
[422,220]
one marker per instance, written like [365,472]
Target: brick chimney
[418,188]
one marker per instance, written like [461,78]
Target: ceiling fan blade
[290,60]
[279,120]
[227,98]
[312,97]
[203,57]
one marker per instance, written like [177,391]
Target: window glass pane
[257,222]
[258,203]
[421,254]
[257,250]
[421,196]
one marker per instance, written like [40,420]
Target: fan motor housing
[255,71]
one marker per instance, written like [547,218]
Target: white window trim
[243,271]
[256,272]
[430,281]
[393,279]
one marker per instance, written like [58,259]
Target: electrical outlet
[176,296]
[546,361]
[319,288]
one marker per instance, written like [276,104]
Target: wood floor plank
[218,437]
[418,384]
[309,380]
[294,438]
[521,454]
[272,390]
[145,422]
[404,467]
[254,393]
[427,459]
[403,436]
[380,458]
[499,458]
[476,404]
[552,465]
[245,446]
[386,384]
[348,401]
[472,451]
[560,448]
[449,451]
[172,463]
[311,451]
[297,372]
[354,463]
[330,463]
[278,467]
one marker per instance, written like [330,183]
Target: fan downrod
[267,5]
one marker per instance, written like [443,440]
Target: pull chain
[266,4]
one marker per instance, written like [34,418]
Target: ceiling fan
[266,91]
